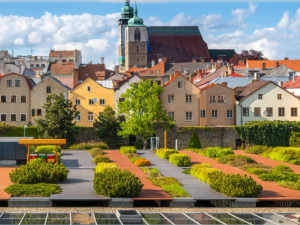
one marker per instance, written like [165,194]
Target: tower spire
[135,10]
[127,2]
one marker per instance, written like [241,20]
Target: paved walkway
[4,182]
[266,161]
[149,191]
[271,190]
[79,185]
[197,189]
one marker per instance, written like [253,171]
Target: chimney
[224,84]
[60,58]
[35,57]
[286,58]
[211,60]
[253,81]
[256,76]
[160,60]
[203,70]
[202,60]
[226,73]
[277,64]
[264,65]
[41,57]
[102,60]
[152,63]
[165,59]
[117,70]
[76,77]
[280,83]
[194,60]
[90,62]
[217,66]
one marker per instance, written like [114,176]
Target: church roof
[178,44]
[136,21]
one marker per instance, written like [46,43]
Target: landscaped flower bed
[178,159]
[130,152]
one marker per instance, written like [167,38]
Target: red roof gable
[236,75]
[292,84]
[69,81]
[93,71]
[28,81]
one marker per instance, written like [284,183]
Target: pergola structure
[29,142]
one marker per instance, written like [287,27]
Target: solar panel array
[135,218]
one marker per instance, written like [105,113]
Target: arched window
[137,48]
[137,34]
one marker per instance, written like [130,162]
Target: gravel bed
[154,210]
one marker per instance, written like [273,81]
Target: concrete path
[79,185]
[271,190]
[149,191]
[197,189]
[4,183]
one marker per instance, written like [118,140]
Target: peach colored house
[217,105]
[181,100]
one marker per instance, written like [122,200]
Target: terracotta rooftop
[63,53]
[134,70]
[93,71]
[171,80]
[292,84]
[64,69]
[68,81]
[291,64]
[236,75]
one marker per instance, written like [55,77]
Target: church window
[137,34]
[137,48]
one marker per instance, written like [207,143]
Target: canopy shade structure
[55,142]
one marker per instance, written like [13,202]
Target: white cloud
[19,41]
[285,20]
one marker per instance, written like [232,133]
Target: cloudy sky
[272,27]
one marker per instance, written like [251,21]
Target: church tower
[135,42]
[127,13]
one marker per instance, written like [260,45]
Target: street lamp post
[25,130]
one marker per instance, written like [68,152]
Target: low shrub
[298,184]
[133,159]
[159,181]
[194,141]
[235,185]
[130,155]
[202,152]
[257,149]
[89,145]
[255,165]
[102,166]
[283,169]
[202,171]
[96,151]
[257,171]
[217,152]
[279,176]
[181,160]
[33,190]
[117,183]
[142,162]
[187,171]
[38,171]
[46,149]
[236,160]
[175,190]
[127,149]
[165,153]
[139,144]
[152,172]
[284,154]
[100,159]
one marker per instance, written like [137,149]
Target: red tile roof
[236,75]
[93,71]
[69,81]
[292,84]
[171,80]
[251,88]
[64,69]
[63,53]
[291,64]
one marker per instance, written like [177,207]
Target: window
[202,113]
[189,116]
[180,85]
[171,115]
[13,98]
[9,70]
[91,102]
[214,113]
[137,48]
[121,99]
[8,83]
[13,117]
[3,98]
[31,65]
[260,96]
[37,65]
[39,112]
[23,117]
[78,117]
[294,112]
[33,112]
[48,90]
[188,99]
[221,99]
[229,114]
[281,111]
[43,65]
[71,60]
[77,102]
[170,99]
[212,99]
[102,101]
[90,116]
[257,111]
[245,111]
[88,88]
[64,60]
[3,117]
[269,111]
[23,98]
[137,34]
[279,96]
[17,83]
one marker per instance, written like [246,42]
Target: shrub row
[130,152]
[100,159]
[33,190]
[96,151]
[165,153]
[236,160]
[46,149]
[89,145]
[38,171]
[127,149]
[102,166]
[234,185]
[178,159]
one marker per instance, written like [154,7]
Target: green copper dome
[136,21]
[127,10]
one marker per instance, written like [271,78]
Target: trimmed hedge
[18,131]
[38,171]
[117,183]
[175,190]
[257,149]
[284,154]
[103,166]
[217,152]
[33,190]
[236,160]
[127,149]
[165,153]
[295,139]
[100,159]
[45,149]
[89,145]
[203,171]
[194,141]
[95,151]
[142,162]
[181,160]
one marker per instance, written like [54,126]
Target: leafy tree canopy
[247,55]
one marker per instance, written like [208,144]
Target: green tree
[194,141]
[142,110]
[107,124]
[59,117]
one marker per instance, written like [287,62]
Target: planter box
[29,202]
[121,203]
[183,203]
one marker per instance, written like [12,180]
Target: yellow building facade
[91,99]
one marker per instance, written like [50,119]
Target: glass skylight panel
[203,219]
[9,221]
[12,216]
[35,221]
[250,218]
[275,218]
[155,218]
[35,215]
[178,218]
[291,216]
[106,218]
[82,218]
[58,218]
[227,219]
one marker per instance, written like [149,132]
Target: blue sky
[272,27]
